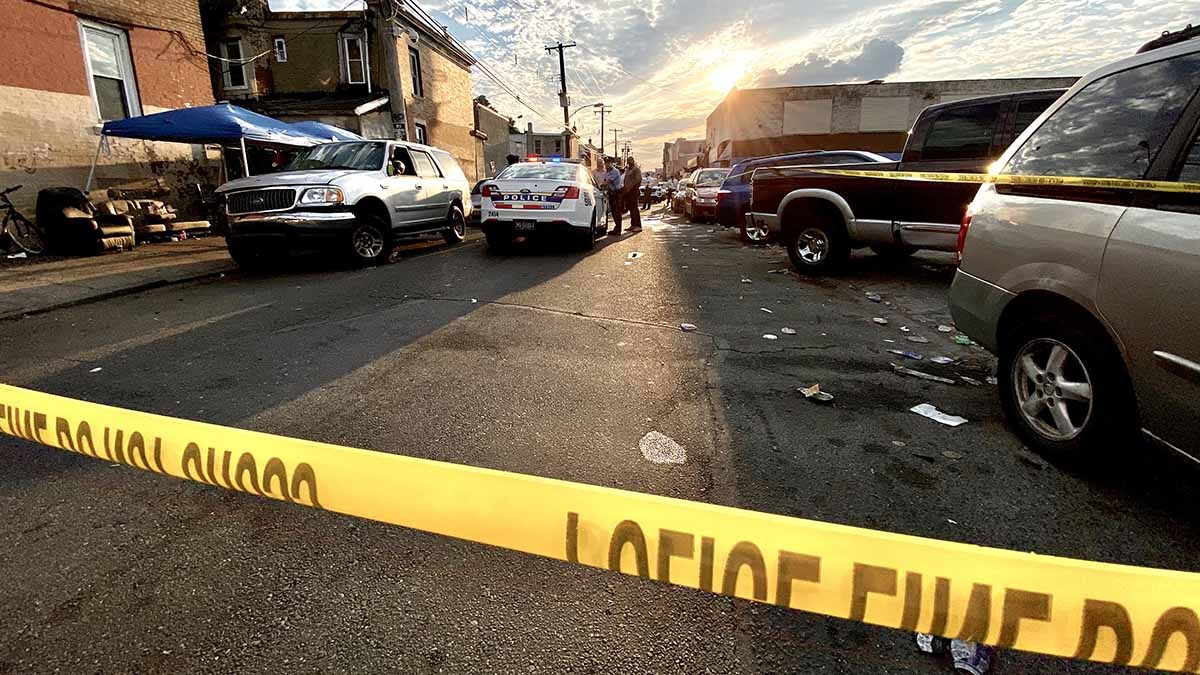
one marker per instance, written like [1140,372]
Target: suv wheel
[753,234]
[1063,390]
[457,231]
[818,247]
[370,240]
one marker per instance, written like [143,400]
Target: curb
[108,295]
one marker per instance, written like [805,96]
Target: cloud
[879,58]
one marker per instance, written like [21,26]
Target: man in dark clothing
[633,188]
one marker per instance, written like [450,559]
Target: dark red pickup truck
[819,218]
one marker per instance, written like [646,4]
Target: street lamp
[590,105]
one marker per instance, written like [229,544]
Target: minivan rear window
[1113,127]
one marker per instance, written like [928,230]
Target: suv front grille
[261,200]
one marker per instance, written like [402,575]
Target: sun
[726,76]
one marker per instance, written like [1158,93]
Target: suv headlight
[315,196]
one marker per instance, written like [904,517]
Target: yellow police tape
[1009,179]
[1073,608]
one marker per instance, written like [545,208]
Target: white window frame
[346,58]
[417,74]
[128,76]
[227,67]
[420,129]
[279,46]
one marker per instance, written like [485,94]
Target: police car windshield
[540,171]
[358,156]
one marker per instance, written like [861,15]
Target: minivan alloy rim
[756,232]
[1053,389]
[813,245]
[368,241]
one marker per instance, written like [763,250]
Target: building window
[414,64]
[558,147]
[110,71]
[233,70]
[421,133]
[537,146]
[356,68]
[280,46]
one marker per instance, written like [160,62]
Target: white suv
[1090,296]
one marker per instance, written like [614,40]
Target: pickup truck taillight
[962,232]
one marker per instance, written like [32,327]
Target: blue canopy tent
[218,124]
[326,131]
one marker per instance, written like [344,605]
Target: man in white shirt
[614,180]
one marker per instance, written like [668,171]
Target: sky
[664,65]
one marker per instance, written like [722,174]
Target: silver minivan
[1090,296]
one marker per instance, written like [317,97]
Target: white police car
[539,198]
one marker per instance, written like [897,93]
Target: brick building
[681,155]
[874,116]
[71,64]
[493,136]
[386,71]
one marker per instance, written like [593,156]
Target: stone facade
[49,119]
[876,117]
[495,148]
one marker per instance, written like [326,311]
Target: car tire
[756,236]
[456,233]
[819,247]
[252,258]
[893,252]
[587,239]
[1095,414]
[370,240]
[498,242]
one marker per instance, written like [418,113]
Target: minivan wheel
[370,240]
[753,234]
[818,248]
[457,231]
[1063,392]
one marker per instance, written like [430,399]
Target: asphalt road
[546,362]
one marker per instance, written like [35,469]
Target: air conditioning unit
[414,38]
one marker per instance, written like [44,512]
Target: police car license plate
[525,225]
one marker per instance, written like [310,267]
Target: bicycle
[17,227]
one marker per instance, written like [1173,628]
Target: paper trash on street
[928,410]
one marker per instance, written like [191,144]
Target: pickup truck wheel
[754,234]
[370,240]
[818,248]
[457,231]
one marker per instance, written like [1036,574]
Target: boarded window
[808,117]
[884,113]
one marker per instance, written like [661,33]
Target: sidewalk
[37,284]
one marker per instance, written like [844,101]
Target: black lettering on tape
[745,554]
[211,464]
[226,479]
[62,431]
[191,460]
[39,425]
[1099,614]
[274,469]
[118,439]
[245,466]
[672,544]
[305,474]
[138,444]
[1179,620]
[628,532]
[979,614]
[912,601]
[869,579]
[84,433]
[941,606]
[794,567]
[1019,604]
[706,563]
[572,537]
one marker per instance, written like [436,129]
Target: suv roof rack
[1169,38]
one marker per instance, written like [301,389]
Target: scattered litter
[905,329]
[925,455]
[908,355]
[918,339]
[778,271]
[963,340]
[899,444]
[951,521]
[815,394]
[874,297]
[695,250]
[627,264]
[634,255]
[924,376]
[17,256]
[992,380]
[95,370]
[766,310]
[687,327]
[890,342]
[970,380]
[770,336]
[659,448]
[474,301]
[788,331]
[945,329]
[747,281]
[929,411]
[950,454]
[942,360]
[683,267]
[880,320]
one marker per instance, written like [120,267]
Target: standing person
[633,188]
[615,183]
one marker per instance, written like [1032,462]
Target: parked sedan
[700,201]
[1088,294]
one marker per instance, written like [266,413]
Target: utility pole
[602,110]
[563,99]
[616,146]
